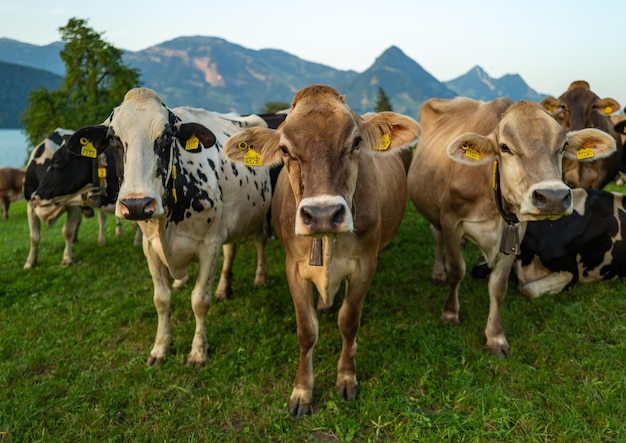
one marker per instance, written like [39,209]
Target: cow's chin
[539,217]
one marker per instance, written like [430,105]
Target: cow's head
[321,143]
[579,108]
[529,145]
[146,138]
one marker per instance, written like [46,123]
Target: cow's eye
[284,150]
[356,144]
[505,149]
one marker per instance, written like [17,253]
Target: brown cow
[339,200]
[579,108]
[471,148]
[11,187]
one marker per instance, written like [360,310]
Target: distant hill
[16,82]
[41,57]
[477,84]
[404,81]
[213,73]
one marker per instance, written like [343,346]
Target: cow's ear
[620,127]
[254,147]
[389,130]
[551,104]
[607,106]
[589,144]
[193,136]
[88,141]
[471,149]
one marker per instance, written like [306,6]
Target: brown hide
[454,191]
[579,108]
[336,190]
[11,187]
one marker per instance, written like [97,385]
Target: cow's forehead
[139,112]
[525,122]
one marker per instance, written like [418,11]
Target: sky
[550,43]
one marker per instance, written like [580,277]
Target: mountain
[404,81]
[215,74]
[477,84]
[212,73]
[16,83]
[40,57]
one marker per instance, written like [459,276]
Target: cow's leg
[162,299]
[200,301]
[119,228]
[498,283]
[34,229]
[224,290]
[455,271]
[5,207]
[102,218]
[439,270]
[69,230]
[349,321]
[308,330]
[138,235]
[260,239]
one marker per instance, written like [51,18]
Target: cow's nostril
[339,215]
[137,208]
[307,216]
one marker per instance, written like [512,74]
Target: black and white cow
[36,167]
[186,197]
[587,246]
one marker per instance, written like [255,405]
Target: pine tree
[382,101]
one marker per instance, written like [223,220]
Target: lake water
[13,147]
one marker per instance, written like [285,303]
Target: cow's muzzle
[552,201]
[323,215]
[137,208]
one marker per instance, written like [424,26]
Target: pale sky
[550,43]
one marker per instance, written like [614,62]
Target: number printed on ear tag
[88,150]
[252,158]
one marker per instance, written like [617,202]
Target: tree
[382,102]
[95,81]
[273,107]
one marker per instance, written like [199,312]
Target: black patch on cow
[561,244]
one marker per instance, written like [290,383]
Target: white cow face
[146,138]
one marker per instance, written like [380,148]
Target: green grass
[75,341]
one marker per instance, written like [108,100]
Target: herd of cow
[196,182]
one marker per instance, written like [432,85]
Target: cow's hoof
[500,350]
[224,295]
[347,391]
[66,263]
[260,278]
[449,317]
[298,409]
[155,361]
[195,363]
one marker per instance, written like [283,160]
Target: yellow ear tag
[174,184]
[608,110]
[102,172]
[471,152]
[192,143]
[252,158]
[584,153]
[384,143]
[494,174]
[88,149]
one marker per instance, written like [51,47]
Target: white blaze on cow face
[139,124]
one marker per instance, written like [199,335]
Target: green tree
[273,107]
[95,81]
[382,102]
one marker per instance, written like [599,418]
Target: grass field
[75,341]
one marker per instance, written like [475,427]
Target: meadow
[75,341]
